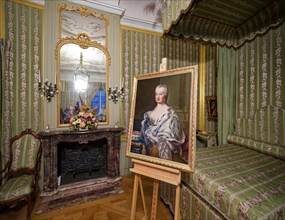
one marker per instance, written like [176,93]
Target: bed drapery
[228,23]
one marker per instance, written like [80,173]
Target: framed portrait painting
[162,128]
[212,108]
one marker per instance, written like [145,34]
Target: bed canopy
[228,23]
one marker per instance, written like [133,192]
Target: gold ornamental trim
[202,73]
[85,12]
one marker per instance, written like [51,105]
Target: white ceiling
[135,13]
[134,8]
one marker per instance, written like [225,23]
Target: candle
[39,76]
[55,78]
[123,81]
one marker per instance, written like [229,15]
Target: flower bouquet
[85,119]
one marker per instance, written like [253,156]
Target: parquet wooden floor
[116,207]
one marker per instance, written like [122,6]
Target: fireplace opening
[81,161]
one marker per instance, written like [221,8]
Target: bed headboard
[264,132]
[266,125]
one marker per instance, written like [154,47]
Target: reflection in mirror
[75,20]
[78,66]
[81,77]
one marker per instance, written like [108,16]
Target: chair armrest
[4,169]
[3,177]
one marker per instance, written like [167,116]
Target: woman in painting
[213,109]
[161,128]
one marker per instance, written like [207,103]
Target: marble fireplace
[80,165]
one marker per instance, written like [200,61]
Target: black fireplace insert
[81,161]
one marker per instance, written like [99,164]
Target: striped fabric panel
[242,183]
[15,187]
[260,23]
[270,149]
[167,194]
[22,103]
[172,12]
[272,130]
[227,23]
[192,207]
[211,83]
[260,85]
[25,152]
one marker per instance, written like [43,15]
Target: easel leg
[177,201]
[165,174]
[143,199]
[138,181]
[154,199]
[135,196]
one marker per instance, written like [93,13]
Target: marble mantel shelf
[51,133]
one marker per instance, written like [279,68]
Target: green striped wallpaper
[142,53]
[182,53]
[21,101]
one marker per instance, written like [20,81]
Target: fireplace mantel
[50,141]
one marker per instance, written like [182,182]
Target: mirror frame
[84,41]
[141,82]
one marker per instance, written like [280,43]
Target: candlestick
[123,81]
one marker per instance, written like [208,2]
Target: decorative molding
[101,6]
[141,24]
[123,27]
[84,12]
[39,4]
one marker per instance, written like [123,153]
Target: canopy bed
[228,23]
[243,177]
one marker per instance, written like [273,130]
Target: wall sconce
[115,93]
[47,90]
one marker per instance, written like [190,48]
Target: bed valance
[228,23]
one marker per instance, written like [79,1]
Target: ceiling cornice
[141,24]
[101,6]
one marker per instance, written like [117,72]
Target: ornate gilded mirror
[82,64]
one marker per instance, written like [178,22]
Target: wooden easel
[158,173]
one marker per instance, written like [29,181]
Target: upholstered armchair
[21,170]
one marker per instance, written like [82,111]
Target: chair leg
[29,209]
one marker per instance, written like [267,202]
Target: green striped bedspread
[242,183]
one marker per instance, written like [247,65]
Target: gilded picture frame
[211,103]
[162,125]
